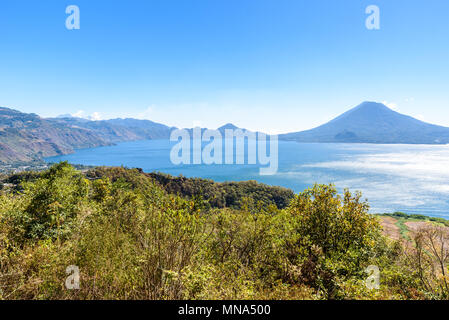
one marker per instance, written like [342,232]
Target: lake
[407,178]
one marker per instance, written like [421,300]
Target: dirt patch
[390,229]
[414,226]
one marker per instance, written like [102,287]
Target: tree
[336,233]
[430,258]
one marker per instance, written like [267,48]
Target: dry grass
[389,227]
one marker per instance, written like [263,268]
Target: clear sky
[271,65]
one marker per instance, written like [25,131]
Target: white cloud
[95,116]
[391,105]
[147,113]
[420,117]
[79,114]
[196,123]
[82,114]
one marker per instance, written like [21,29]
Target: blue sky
[272,65]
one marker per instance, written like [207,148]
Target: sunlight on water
[415,177]
[408,178]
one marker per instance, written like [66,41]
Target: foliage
[227,194]
[134,236]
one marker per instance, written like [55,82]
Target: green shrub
[133,237]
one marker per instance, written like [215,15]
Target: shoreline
[39,166]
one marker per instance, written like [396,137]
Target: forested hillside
[213,194]
[133,239]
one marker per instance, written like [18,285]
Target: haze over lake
[407,178]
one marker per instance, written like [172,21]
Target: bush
[133,237]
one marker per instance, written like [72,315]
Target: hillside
[26,137]
[372,122]
[221,130]
[117,130]
[147,128]
[139,236]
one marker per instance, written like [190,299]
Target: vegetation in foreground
[133,239]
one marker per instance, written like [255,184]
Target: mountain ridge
[372,122]
[28,137]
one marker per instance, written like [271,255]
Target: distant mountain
[26,137]
[152,130]
[65,115]
[118,130]
[221,130]
[372,122]
[228,126]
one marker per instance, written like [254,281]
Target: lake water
[407,178]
